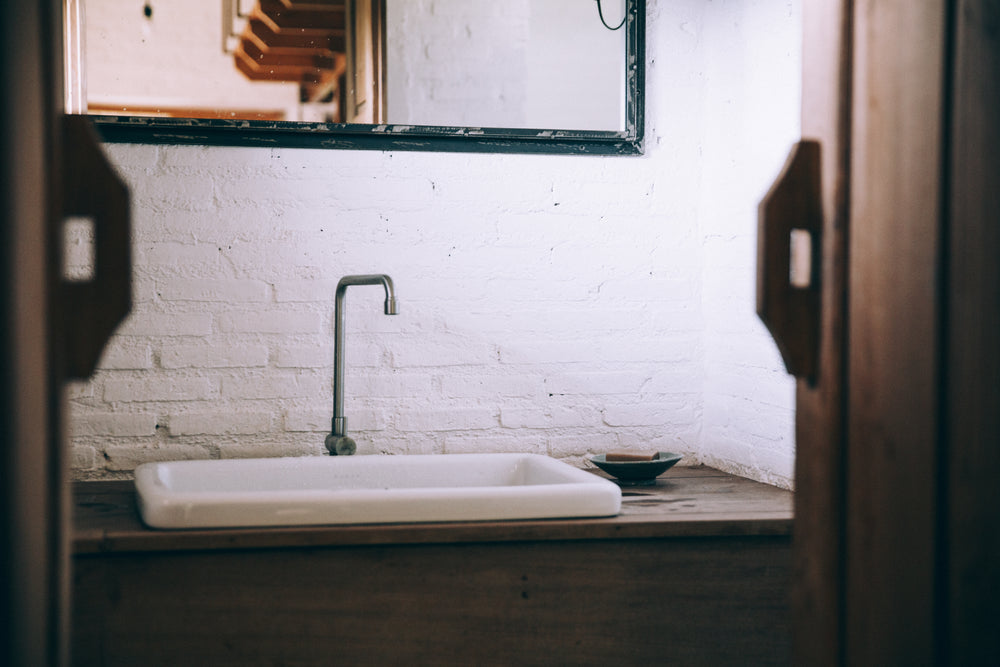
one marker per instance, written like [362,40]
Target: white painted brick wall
[214,423]
[558,304]
[226,354]
[748,401]
[148,388]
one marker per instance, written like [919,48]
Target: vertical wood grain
[894,246]
[819,430]
[33,499]
[972,333]
[701,601]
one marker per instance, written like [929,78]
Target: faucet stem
[337,442]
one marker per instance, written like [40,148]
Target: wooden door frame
[897,534]
[34,506]
[818,580]
[897,197]
[969,543]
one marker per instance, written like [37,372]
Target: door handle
[789,241]
[91,310]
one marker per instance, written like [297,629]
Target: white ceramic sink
[368,489]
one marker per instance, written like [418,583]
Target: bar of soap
[629,456]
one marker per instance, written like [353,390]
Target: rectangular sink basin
[368,489]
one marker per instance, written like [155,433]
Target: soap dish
[637,473]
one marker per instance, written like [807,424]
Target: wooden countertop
[693,501]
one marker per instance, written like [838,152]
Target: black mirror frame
[289,134]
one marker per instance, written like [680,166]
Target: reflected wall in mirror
[525,75]
[526,63]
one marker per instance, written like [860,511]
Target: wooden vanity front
[694,571]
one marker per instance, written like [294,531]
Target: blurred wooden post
[365,62]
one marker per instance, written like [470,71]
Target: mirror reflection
[516,64]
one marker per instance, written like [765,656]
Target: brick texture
[557,304]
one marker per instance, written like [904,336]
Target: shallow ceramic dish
[637,473]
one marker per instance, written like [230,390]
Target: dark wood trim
[90,311]
[971,341]
[818,544]
[913,537]
[791,312]
[698,601]
[894,369]
[33,501]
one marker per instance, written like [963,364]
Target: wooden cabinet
[693,572]
[718,601]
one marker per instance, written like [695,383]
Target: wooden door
[895,310]
[801,298]
[820,405]
[970,540]
[897,532]
[922,550]
[52,328]
[33,561]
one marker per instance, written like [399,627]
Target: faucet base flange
[340,445]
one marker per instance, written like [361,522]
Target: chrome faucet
[337,443]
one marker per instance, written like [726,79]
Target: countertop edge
[694,503]
[103,542]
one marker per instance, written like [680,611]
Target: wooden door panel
[819,432]
[972,378]
[896,175]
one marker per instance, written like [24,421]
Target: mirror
[548,76]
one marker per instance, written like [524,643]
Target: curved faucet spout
[368,279]
[338,442]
